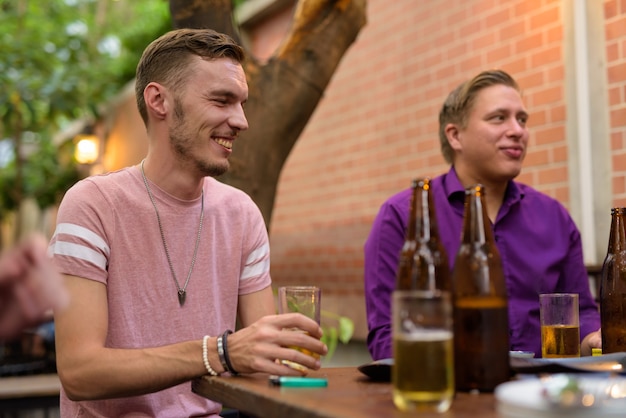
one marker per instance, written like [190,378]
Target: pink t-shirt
[107,231]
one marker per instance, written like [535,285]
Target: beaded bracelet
[205,356]
[229,365]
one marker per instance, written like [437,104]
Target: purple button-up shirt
[539,244]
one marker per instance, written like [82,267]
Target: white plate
[523,399]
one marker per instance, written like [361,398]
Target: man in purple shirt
[483,135]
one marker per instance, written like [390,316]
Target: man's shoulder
[541,202]
[224,198]
[105,182]
[216,189]
[532,194]
[399,198]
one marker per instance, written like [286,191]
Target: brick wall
[615,32]
[376,127]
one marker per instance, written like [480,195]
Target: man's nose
[516,128]
[238,119]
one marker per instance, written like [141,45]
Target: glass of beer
[423,371]
[305,300]
[560,328]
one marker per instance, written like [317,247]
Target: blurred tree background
[61,60]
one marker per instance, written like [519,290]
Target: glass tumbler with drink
[560,327]
[305,300]
[423,371]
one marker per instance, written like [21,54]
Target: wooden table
[349,395]
[39,391]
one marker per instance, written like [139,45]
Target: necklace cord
[182,292]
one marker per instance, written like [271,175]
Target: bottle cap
[596,352]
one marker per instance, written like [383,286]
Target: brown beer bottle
[481,326]
[424,261]
[405,265]
[613,286]
[430,261]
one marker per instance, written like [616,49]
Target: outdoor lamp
[87,149]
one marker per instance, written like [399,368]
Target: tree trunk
[283,92]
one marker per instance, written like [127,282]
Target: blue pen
[298,381]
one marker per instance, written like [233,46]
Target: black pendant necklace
[182,292]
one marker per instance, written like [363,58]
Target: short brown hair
[459,103]
[166,59]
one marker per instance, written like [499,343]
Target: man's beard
[180,139]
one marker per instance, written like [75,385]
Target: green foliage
[61,60]
[47,173]
[336,329]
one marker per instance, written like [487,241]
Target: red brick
[486,40]
[616,29]
[482,7]
[562,195]
[612,51]
[619,184]
[549,55]
[512,31]
[618,118]
[538,157]
[557,114]
[534,79]
[499,53]
[616,73]
[556,74]
[537,118]
[524,8]
[554,35]
[497,17]
[555,174]
[470,28]
[516,65]
[619,161]
[545,18]
[547,96]
[545,136]
[529,43]
[617,141]
[610,9]
[619,201]
[560,154]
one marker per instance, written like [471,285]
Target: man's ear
[155,97]
[453,134]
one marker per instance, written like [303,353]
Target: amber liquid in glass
[560,341]
[298,366]
[424,380]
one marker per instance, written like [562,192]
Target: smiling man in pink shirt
[483,135]
[161,259]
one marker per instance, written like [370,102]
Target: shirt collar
[453,188]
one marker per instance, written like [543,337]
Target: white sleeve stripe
[257,263]
[79,251]
[84,233]
[255,269]
[257,254]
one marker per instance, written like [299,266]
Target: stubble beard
[181,140]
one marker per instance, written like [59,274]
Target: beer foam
[426,335]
